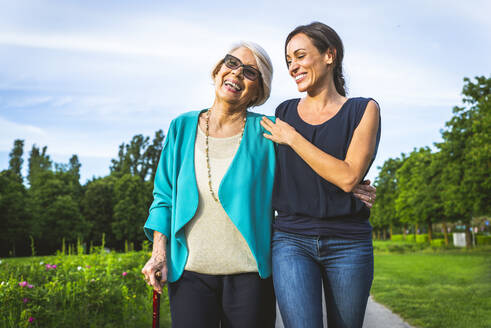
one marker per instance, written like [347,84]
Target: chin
[301,88]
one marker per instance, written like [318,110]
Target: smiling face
[230,84]
[310,69]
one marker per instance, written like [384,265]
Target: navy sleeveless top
[306,203]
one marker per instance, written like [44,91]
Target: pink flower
[53,266]
[25,300]
[30,286]
[23,283]
[87,266]
[31,319]
[124,273]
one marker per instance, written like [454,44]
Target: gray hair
[264,65]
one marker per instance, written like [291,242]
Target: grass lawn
[448,288]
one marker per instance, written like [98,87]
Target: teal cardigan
[245,191]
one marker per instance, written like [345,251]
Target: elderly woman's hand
[365,193]
[156,263]
[281,132]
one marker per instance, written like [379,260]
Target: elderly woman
[327,143]
[210,221]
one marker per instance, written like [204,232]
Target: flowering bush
[96,290]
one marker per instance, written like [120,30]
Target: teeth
[298,77]
[233,85]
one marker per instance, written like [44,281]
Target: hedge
[483,240]
[438,242]
[397,237]
[423,238]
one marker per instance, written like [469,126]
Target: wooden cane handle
[156,303]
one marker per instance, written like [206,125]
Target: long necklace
[207,148]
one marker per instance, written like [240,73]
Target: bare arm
[345,174]
[157,262]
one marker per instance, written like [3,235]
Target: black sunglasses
[249,72]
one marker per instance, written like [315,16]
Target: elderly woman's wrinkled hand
[156,263]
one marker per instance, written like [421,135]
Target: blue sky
[81,77]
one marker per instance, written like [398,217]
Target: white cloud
[11,130]
[21,102]
[95,44]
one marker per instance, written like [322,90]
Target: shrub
[438,242]
[410,238]
[423,238]
[440,235]
[397,247]
[483,240]
[397,237]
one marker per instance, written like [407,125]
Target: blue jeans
[302,263]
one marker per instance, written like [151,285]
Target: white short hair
[264,65]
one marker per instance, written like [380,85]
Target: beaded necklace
[207,154]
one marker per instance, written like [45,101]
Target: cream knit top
[215,244]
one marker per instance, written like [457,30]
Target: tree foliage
[139,157]
[13,214]
[98,207]
[384,213]
[451,184]
[54,206]
[16,160]
[133,198]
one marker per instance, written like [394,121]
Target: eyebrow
[295,52]
[251,65]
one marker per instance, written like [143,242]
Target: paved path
[377,316]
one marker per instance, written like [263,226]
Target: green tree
[384,214]
[13,215]
[13,197]
[466,150]
[407,197]
[15,161]
[153,153]
[419,198]
[133,197]
[54,201]
[139,157]
[98,207]
[74,167]
[39,162]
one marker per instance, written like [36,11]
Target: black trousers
[227,301]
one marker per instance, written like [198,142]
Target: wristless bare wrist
[294,139]
[159,250]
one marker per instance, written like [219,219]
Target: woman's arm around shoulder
[345,174]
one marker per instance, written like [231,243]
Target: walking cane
[156,302]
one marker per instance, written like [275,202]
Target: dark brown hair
[324,38]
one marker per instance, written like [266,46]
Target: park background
[88,89]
